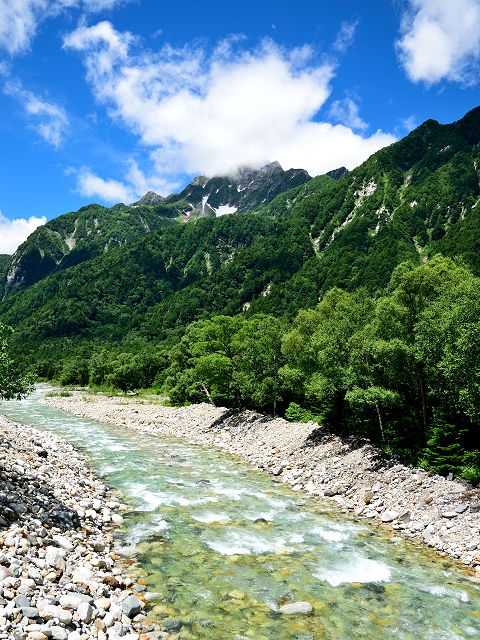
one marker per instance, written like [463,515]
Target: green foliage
[233,361]
[296,413]
[471,474]
[13,382]
[444,452]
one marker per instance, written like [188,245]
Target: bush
[296,413]
[471,474]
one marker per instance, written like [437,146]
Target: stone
[172,624]
[461,508]
[131,606]
[73,600]
[367,497]
[59,633]
[63,542]
[82,575]
[51,611]
[449,514]
[85,612]
[296,608]
[117,518]
[54,557]
[37,635]
[389,516]
[21,601]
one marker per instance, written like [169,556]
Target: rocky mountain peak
[150,198]
[338,174]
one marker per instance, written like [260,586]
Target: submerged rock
[296,608]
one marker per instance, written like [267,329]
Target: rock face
[150,198]
[442,513]
[58,574]
[338,174]
[246,190]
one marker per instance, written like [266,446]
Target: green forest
[353,303]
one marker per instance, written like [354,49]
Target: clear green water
[224,546]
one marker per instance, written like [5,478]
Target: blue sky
[102,100]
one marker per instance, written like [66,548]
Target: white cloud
[19,19]
[345,36]
[441,41]
[135,185]
[201,113]
[93,186]
[48,119]
[14,232]
[346,111]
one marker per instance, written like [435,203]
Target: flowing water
[225,547]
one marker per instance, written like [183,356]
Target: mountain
[78,236]
[408,201]
[247,190]
[338,174]
[5,261]
[92,230]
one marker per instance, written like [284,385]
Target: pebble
[54,578]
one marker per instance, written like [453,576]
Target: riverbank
[60,578]
[444,514]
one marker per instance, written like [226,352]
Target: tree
[13,383]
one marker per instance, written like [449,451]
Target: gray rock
[296,608]
[21,601]
[131,606]
[172,624]
[449,514]
[461,508]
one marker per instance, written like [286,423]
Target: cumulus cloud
[19,19]
[441,41]
[201,112]
[345,36]
[48,119]
[14,232]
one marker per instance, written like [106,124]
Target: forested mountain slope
[78,236]
[92,230]
[5,261]
[407,202]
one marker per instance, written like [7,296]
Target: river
[226,547]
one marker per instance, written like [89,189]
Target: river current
[225,547]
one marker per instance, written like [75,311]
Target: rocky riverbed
[60,577]
[442,513]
